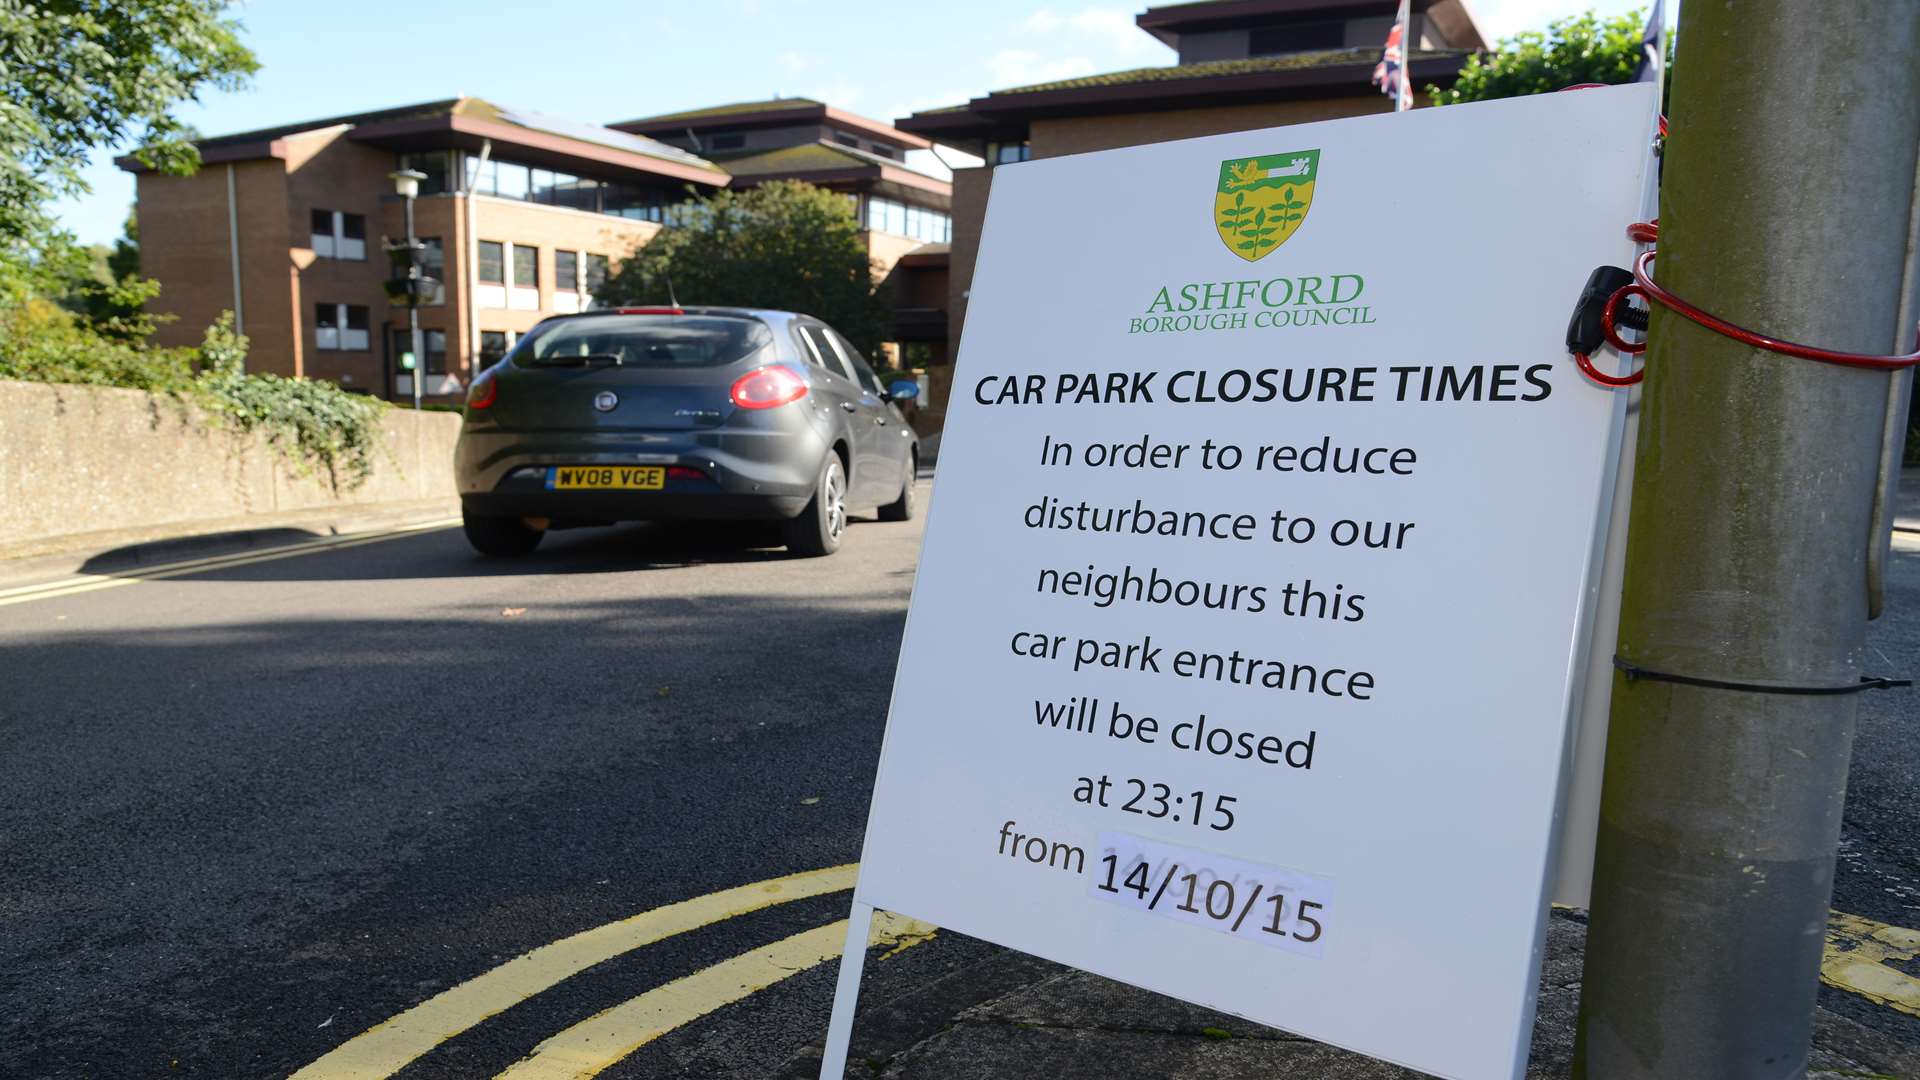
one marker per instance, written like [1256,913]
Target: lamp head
[406,182]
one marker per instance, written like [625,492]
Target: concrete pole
[1790,178]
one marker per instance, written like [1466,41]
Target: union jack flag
[1390,74]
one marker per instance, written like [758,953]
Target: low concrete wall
[81,459]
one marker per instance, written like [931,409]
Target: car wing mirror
[902,390]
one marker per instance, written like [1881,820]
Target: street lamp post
[406,184]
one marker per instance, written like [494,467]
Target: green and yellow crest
[1263,200]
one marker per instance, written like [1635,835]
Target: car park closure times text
[1310,517]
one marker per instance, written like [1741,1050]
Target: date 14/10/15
[1217,900]
[1156,800]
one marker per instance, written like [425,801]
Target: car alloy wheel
[835,494]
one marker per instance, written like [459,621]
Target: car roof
[763,314]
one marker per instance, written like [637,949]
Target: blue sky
[605,60]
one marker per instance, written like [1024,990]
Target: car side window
[861,372]
[809,352]
[817,340]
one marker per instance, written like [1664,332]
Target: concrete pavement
[1039,1019]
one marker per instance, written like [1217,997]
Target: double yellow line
[86,583]
[596,1043]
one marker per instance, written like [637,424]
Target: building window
[493,263]
[433,262]
[845,139]
[917,222]
[338,235]
[511,181]
[340,327]
[564,189]
[480,175]
[493,346]
[883,151]
[1008,153]
[433,341]
[526,267]
[726,142]
[566,270]
[577,193]
[434,164]
[596,272]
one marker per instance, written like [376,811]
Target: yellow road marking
[385,1048]
[85,583]
[596,1043]
[1856,960]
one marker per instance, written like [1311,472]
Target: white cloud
[1106,30]
[913,105]
[793,62]
[1505,18]
[841,95]
[1024,67]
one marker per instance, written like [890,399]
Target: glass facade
[551,187]
[903,219]
[1008,153]
[434,163]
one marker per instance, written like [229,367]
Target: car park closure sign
[1248,627]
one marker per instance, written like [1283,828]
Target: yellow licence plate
[607,477]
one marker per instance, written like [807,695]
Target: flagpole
[1404,99]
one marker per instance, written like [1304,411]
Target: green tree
[79,75]
[103,285]
[124,260]
[1579,49]
[784,245]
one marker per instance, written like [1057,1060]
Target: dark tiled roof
[807,157]
[574,129]
[473,108]
[1213,69]
[403,112]
[774,105]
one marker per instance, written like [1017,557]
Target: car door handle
[849,406]
[881,420]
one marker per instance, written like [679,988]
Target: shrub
[41,341]
[313,425]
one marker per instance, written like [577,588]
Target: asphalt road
[248,813]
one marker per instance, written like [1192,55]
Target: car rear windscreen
[647,341]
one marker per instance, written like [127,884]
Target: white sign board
[1249,621]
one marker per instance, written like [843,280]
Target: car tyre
[818,528]
[901,509]
[501,537]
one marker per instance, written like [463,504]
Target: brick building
[1243,65]
[522,214]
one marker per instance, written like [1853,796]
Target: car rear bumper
[746,475]
[592,507]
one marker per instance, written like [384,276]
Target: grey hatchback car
[689,414]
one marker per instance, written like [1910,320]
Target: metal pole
[1789,181]
[413,309]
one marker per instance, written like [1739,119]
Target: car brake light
[483,391]
[685,472]
[649,311]
[768,388]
